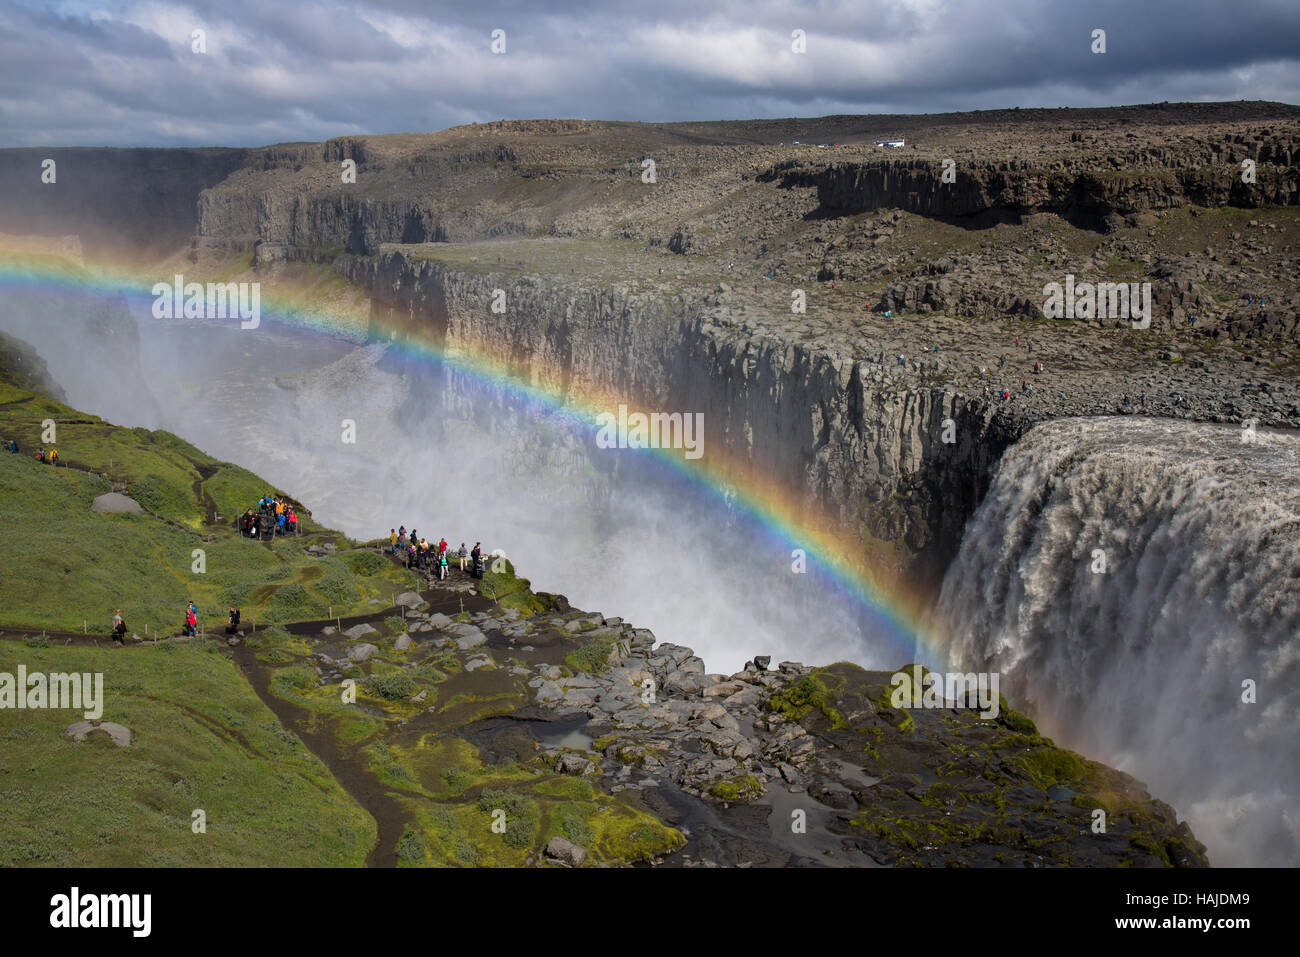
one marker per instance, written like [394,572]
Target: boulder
[362,652]
[359,631]
[408,599]
[402,643]
[678,653]
[546,692]
[467,636]
[115,503]
[118,734]
[724,689]
[573,763]
[559,849]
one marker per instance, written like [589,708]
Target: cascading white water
[1130,579]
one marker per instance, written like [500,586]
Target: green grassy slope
[201,740]
[62,564]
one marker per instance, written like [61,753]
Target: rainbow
[896,613]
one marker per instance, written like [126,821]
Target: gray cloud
[124,73]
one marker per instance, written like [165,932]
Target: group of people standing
[48,456]
[274,516]
[190,626]
[420,554]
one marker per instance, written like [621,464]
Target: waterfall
[1132,580]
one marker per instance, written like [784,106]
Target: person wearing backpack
[119,627]
[191,620]
[233,622]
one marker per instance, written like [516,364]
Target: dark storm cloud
[124,72]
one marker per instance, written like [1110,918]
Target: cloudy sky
[126,73]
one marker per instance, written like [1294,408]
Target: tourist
[119,627]
[232,623]
[463,554]
[392,540]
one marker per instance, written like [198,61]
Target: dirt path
[345,764]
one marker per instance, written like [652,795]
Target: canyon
[893,410]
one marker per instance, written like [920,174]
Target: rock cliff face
[1093,191]
[818,424]
[1086,195]
[116,200]
[844,433]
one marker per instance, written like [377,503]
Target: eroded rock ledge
[734,760]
